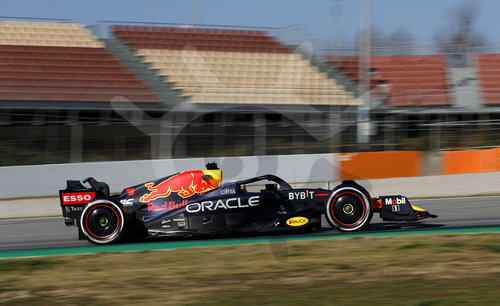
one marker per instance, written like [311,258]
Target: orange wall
[470,161]
[370,165]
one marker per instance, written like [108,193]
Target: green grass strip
[133,247]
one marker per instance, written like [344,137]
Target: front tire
[348,209]
[102,222]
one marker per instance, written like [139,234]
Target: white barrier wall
[46,180]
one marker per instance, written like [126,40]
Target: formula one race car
[196,203]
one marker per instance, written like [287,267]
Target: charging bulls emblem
[185,184]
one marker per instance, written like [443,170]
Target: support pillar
[76,142]
[51,143]
[218,140]
[298,133]
[260,130]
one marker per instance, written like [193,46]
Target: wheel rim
[348,209]
[102,221]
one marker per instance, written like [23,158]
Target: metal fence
[58,139]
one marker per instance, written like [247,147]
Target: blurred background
[85,81]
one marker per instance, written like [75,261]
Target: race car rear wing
[74,198]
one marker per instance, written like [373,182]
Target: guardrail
[372,165]
[46,180]
[470,161]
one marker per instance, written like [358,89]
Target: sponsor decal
[77,197]
[297,221]
[130,191]
[127,202]
[231,203]
[301,195]
[168,206]
[185,184]
[396,201]
[73,208]
[228,191]
[181,222]
[169,224]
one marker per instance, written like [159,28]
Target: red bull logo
[185,184]
[168,206]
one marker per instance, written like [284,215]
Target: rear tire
[349,208]
[102,222]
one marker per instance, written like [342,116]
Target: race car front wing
[399,208]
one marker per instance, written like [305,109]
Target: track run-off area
[49,236]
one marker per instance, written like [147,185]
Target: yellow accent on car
[215,177]
[297,221]
[417,208]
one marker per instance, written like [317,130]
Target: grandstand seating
[414,80]
[48,61]
[232,66]
[488,71]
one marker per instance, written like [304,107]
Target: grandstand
[247,94]
[414,80]
[429,105]
[61,62]
[488,69]
[60,78]
[232,66]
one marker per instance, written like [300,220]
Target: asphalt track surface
[454,213]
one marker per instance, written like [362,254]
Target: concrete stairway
[334,73]
[170,96]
